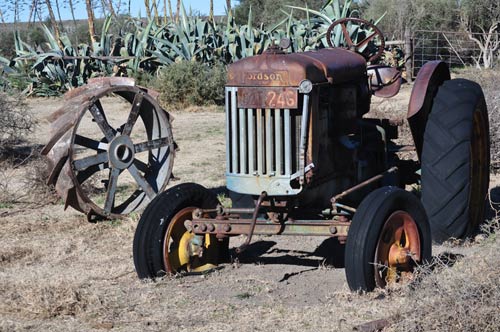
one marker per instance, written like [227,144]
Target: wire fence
[454,48]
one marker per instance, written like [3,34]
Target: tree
[178,11]
[270,10]
[111,8]
[481,20]
[155,12]
[148,9]
[228,5]
[410,15]
[54,24]
[211,13]
[90,20]
[170,10]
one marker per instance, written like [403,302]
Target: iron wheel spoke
[134,114]
[90,143]
[141,166]
[142,182]
[85,174]
[151,145]
[98,114]
[93,160]
[111,191]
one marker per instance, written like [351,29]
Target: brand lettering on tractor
[281,77]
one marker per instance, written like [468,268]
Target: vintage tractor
[300,143]
[303,158]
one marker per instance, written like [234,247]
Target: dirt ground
[60,273]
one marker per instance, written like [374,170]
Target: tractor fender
[429,79]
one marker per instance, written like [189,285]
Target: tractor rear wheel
[389,235]
[456,160]
[162,244]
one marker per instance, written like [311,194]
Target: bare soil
[60,273]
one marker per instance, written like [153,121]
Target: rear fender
[429,79]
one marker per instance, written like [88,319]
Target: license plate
[268,97]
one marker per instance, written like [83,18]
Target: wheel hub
[121,152]
[182,249]
[397,249]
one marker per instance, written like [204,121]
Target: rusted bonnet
[332,65]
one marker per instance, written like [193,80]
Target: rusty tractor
[303,157]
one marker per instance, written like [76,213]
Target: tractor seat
[385,81]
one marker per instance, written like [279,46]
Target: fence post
[408,56]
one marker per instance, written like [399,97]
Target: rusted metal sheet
[385,81]
[271,97]
[76,158]
[264,227]
[279,69]
[429,79]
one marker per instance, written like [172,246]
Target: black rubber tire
[366,228]
[448,181]
[154,222]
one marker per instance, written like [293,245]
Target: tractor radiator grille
[261,142]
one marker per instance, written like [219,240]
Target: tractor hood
[275,68]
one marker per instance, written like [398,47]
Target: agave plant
[60,66]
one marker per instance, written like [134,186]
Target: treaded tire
[455,160]
[154,222]
[366,230]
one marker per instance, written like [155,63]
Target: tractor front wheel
[389,235]
[162,244]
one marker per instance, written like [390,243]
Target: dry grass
[60,273]
[464,297]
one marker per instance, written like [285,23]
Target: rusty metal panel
[271,97]
[429,79]
[285,70]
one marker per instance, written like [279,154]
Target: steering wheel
[361,46]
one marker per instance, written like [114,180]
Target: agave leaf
[379,19]
[336,9]
[50,38]
[315,12]
[4,61]
[345,8]
[105,41]
[184,18]
[249,23]
[274,28]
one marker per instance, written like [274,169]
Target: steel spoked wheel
[183,251]
[111,158]
[369,44]
[398,249]
[389,235]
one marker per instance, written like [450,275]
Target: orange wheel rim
[479,167]
[398,249]
[181,246]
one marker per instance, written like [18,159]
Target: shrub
[15,120]
[191,83]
